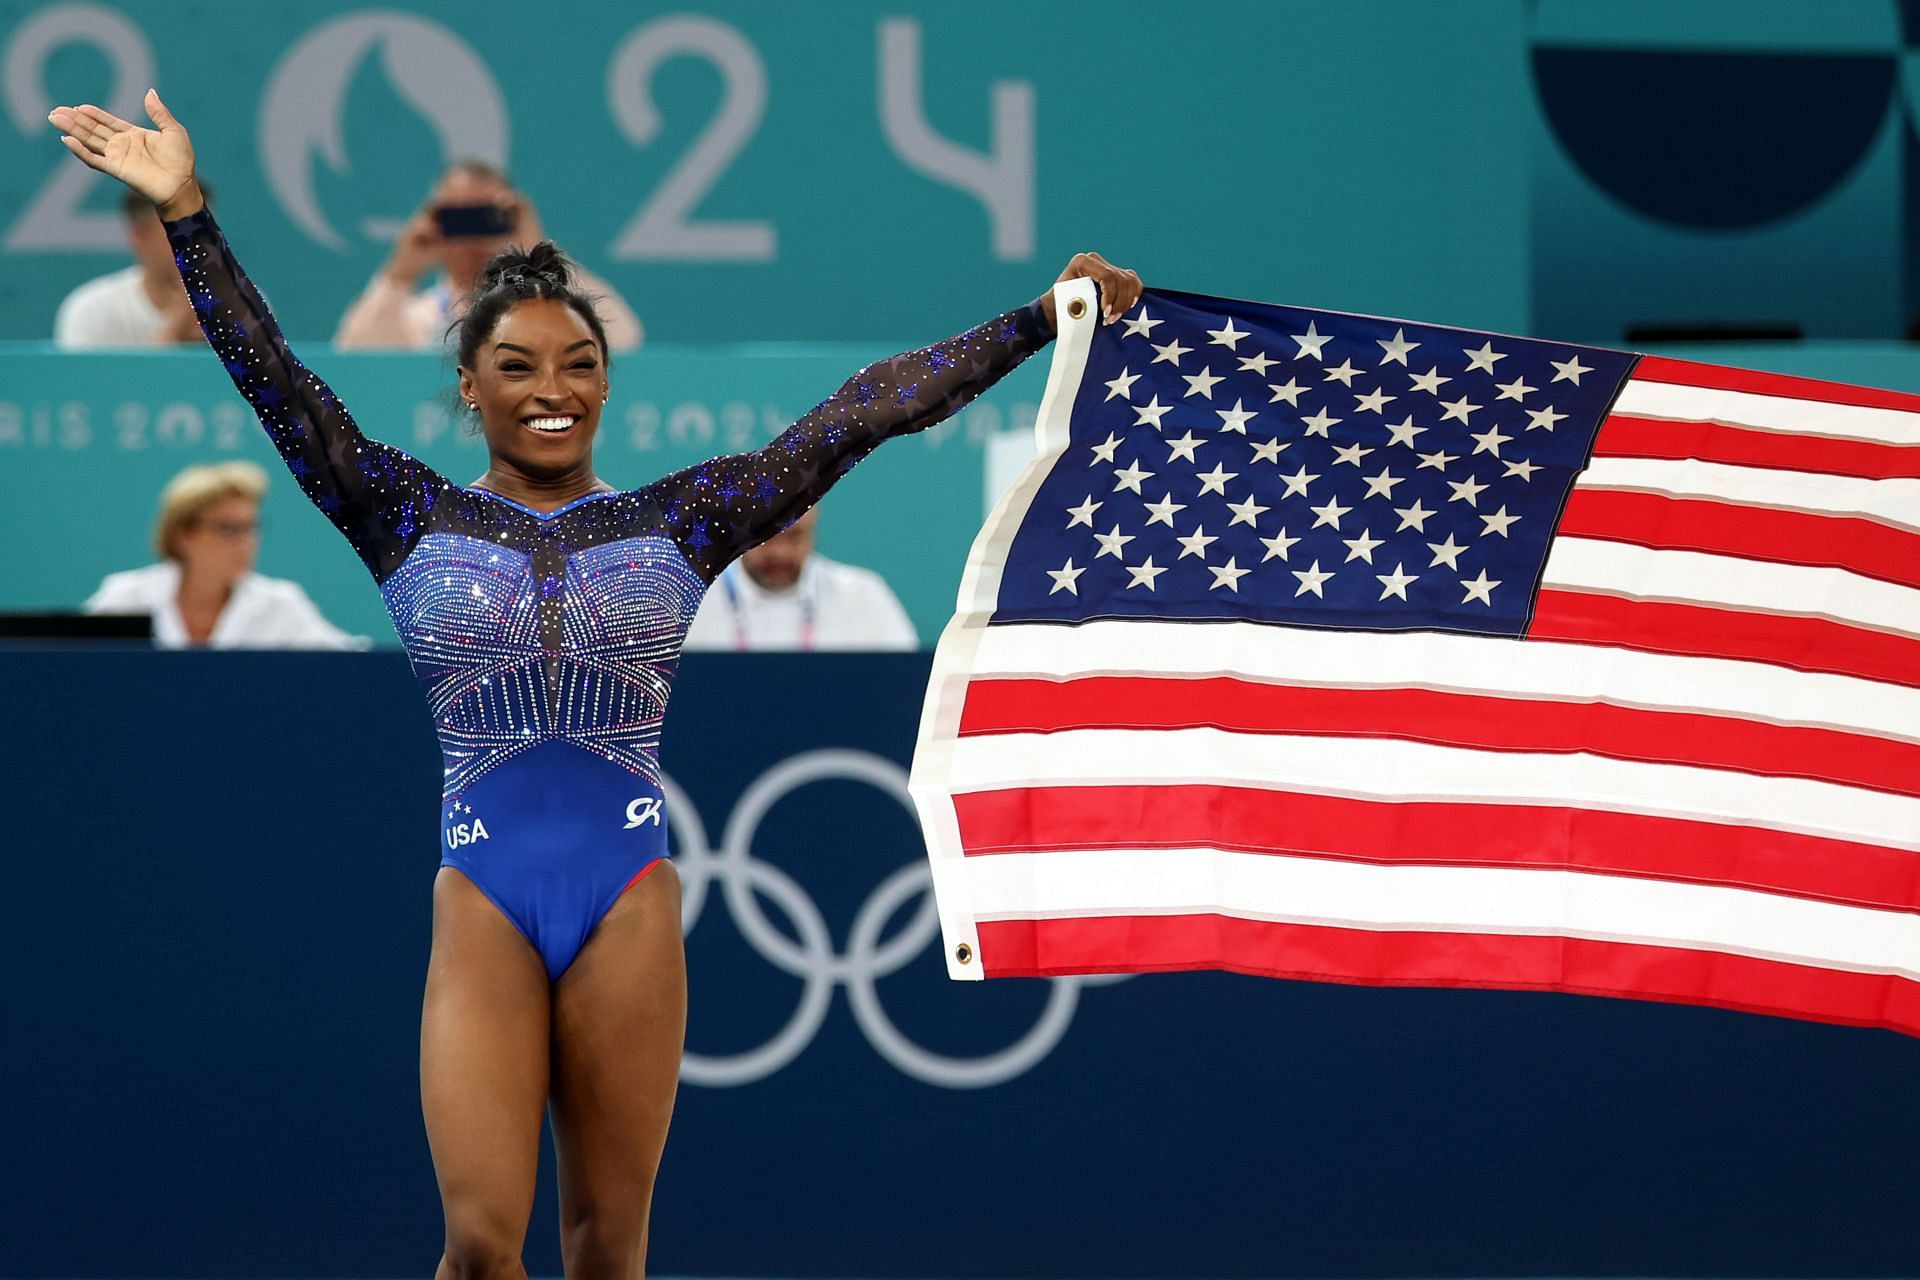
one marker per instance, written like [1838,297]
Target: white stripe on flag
[1694,577]
[1452,663]
[1643,399]
[1892,502]
[1392,769]
[1450,899]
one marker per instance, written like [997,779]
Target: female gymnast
[543,611]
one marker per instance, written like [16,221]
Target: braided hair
[515,275]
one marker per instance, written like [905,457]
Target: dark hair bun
[543,268]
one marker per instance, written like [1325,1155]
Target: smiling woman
[544,613]
[533,359]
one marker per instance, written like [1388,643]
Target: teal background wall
[87,441]
[786,192]
[1362,155]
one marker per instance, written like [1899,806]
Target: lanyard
[808,590]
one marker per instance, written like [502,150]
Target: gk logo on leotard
[644,810]
[805,949]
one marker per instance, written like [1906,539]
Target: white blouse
[263,613]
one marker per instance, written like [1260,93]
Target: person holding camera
[472,213]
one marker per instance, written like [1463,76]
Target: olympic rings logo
[868,957]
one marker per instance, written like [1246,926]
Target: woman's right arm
[376,495]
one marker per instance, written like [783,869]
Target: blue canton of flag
[1245,461]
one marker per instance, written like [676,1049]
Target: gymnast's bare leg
[619,1021]
[483,1078]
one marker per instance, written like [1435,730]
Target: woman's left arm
[721,507]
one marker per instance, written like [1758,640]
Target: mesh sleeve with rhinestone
[719,508]
[373,493]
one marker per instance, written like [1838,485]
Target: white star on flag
[1480,588]
[1151,413]
[1278,545]
[1569,370]
[1484,358]
[1215,481]
[1236,418]
[1362,547]
[1184,447]
[1329,512]
[1467,491]
[1499,521]
[1246,512]
[1381,485]
[1201,383]
[1311,580]
[1170,352]
[1489,441]
[1143,574]
[1162,512]
[1311,341]
[1447,553]
[1226,335]
[1396,350]
[1414,517]
[1227,575]
[1196,543]
[1396,583]
[1130,477]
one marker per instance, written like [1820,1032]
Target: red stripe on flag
[1446,718]
[1721,378]
[1804,644]
[1322,953]
[1437,833]
[1724,528]
[1622,436]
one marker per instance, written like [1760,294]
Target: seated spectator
[472,213]
[143,305]
[204,592]
[783,595]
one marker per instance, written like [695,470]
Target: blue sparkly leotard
[547,641]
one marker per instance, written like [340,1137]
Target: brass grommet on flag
[1076,308]
[964,953]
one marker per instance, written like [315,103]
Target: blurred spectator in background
[472,213]
[143,305]
[782,595]
[204,591]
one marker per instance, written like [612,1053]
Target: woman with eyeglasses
[203,593]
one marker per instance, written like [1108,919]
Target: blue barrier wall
[216,884]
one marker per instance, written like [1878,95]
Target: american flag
[1333,647]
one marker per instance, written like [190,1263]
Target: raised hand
[157,162]
[1119,287]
